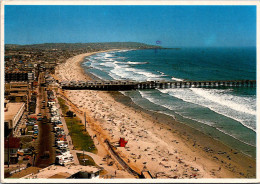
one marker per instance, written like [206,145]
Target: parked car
[25,151]
[26,157]
[32,118]
[61,138]
[62,151]
[57,122]
[57,134]
[35,127]
[57,129]
[58,143]
[35,132]
[39,119]
[30,123]
[62,146]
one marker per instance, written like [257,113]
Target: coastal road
[46,136]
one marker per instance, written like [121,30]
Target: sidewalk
[68,137]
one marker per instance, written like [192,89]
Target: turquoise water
[227,114]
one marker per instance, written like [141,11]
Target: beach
[156,142]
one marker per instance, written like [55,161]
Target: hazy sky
[180,26]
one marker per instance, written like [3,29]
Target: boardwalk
[133,85]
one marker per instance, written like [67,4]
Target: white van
[63,159]
[56,118]
[63,146]
[54,107]
[35,127]
[63,152]
[58,143]
[54,113]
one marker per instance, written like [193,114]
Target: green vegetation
[64,107]
[81,139]
[88,160]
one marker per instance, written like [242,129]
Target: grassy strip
[64,107]
[88,160]
[81,139]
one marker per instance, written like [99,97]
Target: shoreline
[185,131]
[178,131]
[74,63]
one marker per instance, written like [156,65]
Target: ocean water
[227,114]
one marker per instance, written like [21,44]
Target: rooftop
[12,110]
[61,175]
[56,171]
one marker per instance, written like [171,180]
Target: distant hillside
[83,46]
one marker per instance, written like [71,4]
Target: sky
[175,26]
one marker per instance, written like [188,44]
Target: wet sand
[167,148]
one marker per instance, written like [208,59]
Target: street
[45,150]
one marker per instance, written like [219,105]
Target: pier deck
[134,85]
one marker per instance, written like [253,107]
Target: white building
[13,114]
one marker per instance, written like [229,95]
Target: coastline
[187,148]
[74,64]
[192,136]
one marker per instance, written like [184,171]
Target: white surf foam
[220,102]
[136,63]
[120,69]
[160,102]
[107,55]
[175,108]
[124,50]
[230,101]
[108,64]
[176,79]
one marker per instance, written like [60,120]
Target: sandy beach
[156,142]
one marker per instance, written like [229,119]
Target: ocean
[227,114]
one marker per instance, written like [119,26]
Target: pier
[134,85]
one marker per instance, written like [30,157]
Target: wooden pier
[134,85]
